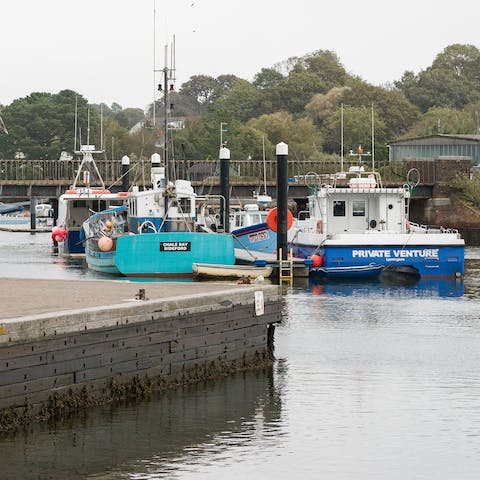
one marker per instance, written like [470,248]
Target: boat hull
[429,260]
[258,238]
[203,270]
[171,254]
[102,262]
[73,245]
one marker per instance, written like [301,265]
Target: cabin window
[339,208]
[184,204]
[358,208]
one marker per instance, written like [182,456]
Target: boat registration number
[175,246]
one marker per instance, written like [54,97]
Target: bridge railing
[198,171]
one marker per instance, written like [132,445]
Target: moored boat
[79,202]
[354,221]
[204,270]
[156,234]
[250,229]
[161,233]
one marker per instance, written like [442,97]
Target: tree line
[297,101]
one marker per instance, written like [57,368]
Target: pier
[67,345]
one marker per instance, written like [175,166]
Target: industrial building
[436,146]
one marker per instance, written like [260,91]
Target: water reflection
[387,286]
[200,422]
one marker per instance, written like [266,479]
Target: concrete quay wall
[58,361]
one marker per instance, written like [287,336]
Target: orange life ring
[272,219]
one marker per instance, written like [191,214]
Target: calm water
[372,381]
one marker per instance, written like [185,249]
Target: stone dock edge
[61,361]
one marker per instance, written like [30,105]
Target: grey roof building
[435,146]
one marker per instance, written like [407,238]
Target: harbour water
[372,380]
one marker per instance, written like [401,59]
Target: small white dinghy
[210,270]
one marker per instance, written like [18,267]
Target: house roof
[470,138]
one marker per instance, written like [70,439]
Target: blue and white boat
[79,202]
[356,227]
[250,230]
[158,233]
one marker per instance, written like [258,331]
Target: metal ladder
[285,267]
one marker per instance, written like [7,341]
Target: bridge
[24,179]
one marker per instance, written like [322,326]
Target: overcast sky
[103,49]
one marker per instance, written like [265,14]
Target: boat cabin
[358,204]
[249,215]
[146,209]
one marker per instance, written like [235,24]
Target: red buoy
[317,260]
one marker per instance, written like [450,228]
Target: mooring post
[125,173]
[225,188]
[282,199]
[33,216]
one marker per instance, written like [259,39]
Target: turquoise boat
[157,233]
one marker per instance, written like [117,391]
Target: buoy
[108,225]
[58,234]
[272,219]
[54,232]
[317,260]
[105,244]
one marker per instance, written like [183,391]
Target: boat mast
[154,65]
[264,166]
[373,142]
[165,119]
[341,135]
[76,124]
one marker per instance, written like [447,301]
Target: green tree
[326,65]
[294,92]
[202,89]
[301,135]
[396,111]
[323,105]
[267,78]
[129,117]
[240,102]
[453,79]
[41,125]
[357,130]
[443,120]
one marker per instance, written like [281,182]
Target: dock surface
[22,297]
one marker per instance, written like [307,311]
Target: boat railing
[147,225]
[430,229]
[339,179]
